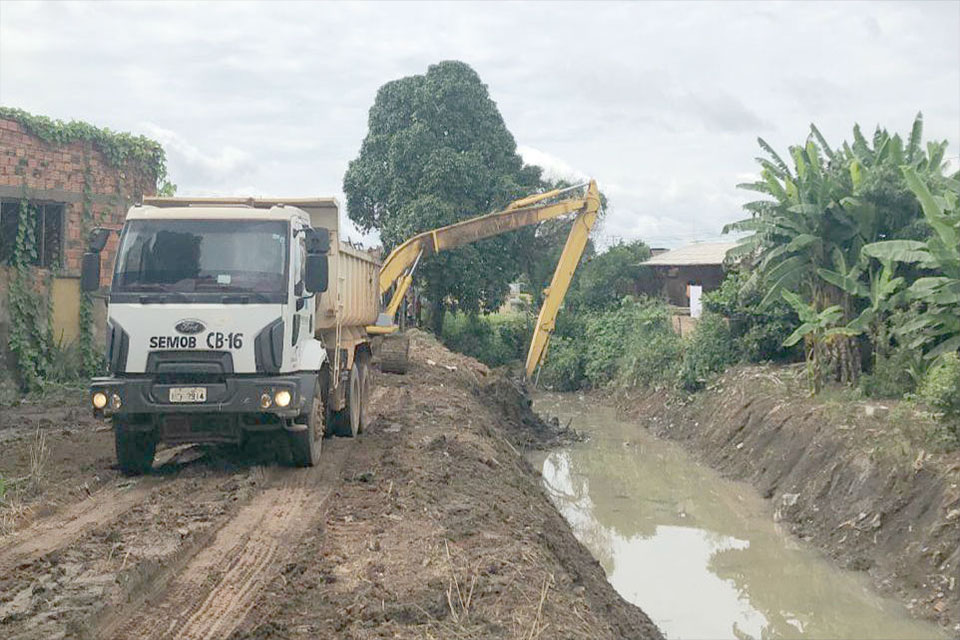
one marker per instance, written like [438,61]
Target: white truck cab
[213,328]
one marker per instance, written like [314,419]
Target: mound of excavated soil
[852,477]
[520,424]
[440,528]
[429,525]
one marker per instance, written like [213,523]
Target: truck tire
[395,353]
[366,382]
[306,444]
[346,422]
[135,449]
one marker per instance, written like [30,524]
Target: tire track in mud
[214,590]
[62,528]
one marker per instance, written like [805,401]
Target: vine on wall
[118,148]
[31,335]
[91,360]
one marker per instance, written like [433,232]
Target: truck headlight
[265,401]
[99,400]
[115,402]
[282,398]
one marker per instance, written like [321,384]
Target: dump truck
[229,317]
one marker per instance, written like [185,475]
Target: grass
[15,491]
[39,456]
[459,607]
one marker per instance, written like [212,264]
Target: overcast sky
[662,103]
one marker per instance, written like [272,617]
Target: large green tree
[438,151]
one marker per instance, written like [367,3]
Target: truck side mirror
[317,273]
[90,272]
[317,267]
[317,240]
[97,239]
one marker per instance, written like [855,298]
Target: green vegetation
[604,279]
[494,339]
[937,290]
[851,237]
[563,370]
[710,350]
[630,345]
[30,334]
[757,330]
[939,388]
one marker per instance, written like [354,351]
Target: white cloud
[554,168]
[660,102]
[222,170]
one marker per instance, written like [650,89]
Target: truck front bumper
[233,395]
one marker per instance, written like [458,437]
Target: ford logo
[189,327]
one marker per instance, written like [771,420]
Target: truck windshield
[202,256]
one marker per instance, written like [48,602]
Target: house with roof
[683,275]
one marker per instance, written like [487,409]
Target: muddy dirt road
[430,525]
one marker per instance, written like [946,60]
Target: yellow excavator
[397,271]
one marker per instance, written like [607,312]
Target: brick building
[64,172]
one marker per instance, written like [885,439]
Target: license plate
[188,394]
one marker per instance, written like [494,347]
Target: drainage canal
[698,553]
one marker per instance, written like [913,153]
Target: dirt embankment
[851,477]
[430,524]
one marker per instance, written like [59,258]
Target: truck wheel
[366,383]
[135,449]
[347,421]
[305,444]
[394,353]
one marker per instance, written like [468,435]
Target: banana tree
[937,330]
[883,291]
[821,210]
[820,331]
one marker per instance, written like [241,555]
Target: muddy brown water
[700,554]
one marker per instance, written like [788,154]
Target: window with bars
[49,223]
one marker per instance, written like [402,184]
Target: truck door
[303,305]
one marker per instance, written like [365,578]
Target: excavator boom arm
[520,213]
[557,291]
[397,269]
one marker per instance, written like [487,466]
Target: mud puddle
[700,554]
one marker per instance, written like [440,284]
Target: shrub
[758,332]
[609,276]
[494,339]
[616,339]
[563,368]
[603,345]
[514,331]
[632,344]
[709,350]
[894,375]
[940,387]
[65,363]
[651,359]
